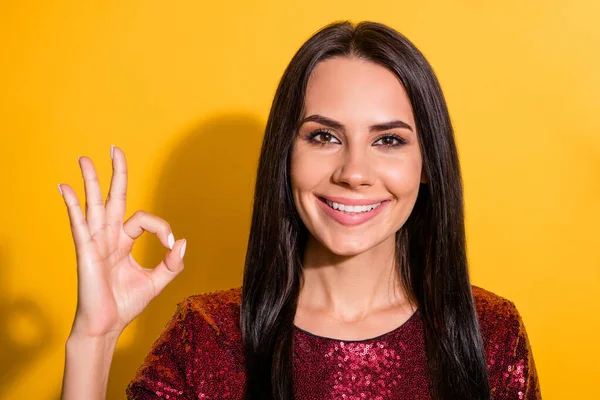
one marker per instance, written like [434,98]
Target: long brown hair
[430,246]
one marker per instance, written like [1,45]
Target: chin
[348,248]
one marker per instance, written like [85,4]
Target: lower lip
[351,219]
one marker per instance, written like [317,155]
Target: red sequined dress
[199,356]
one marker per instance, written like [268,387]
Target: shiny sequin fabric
[199,356]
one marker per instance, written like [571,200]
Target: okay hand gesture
[112,287]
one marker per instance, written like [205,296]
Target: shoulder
[212,304]
[217,298]
[218,310]
[511,367]
[199,352]
[499,320]
[494,311]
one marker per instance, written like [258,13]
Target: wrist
[92,344]
[87,365]
[89,329]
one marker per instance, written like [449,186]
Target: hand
[112,287]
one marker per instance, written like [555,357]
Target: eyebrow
[338,125]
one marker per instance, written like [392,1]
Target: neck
[350,288]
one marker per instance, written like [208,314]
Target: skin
[350,290]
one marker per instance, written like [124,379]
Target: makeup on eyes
[327,133]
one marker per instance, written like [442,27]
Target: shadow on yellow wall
[205,193]
[25,333]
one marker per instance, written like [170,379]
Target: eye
[325,137]
[390,140]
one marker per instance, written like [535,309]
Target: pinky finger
[79,227]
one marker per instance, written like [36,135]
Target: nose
[354,169]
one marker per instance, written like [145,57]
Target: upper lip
[352,202]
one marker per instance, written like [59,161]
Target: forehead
[356,90]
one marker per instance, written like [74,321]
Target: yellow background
[185,87]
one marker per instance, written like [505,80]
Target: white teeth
[351,209]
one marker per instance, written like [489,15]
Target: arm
[523,378]
[514,375]
[87,363]
[112,288]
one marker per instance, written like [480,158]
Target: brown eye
[323,138]
[390,140]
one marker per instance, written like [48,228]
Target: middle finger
[117,195]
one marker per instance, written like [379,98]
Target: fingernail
[171,240]
[183,249]
[112,151]
[60,190]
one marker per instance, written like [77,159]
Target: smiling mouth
[348,209]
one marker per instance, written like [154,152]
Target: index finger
[117,195]
[79,227]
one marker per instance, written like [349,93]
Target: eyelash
[311,138]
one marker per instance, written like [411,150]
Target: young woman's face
[356,163]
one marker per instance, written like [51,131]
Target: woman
[356,283]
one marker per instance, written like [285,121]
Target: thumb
[170,267]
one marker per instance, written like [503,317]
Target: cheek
[404,178]
[307,170]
